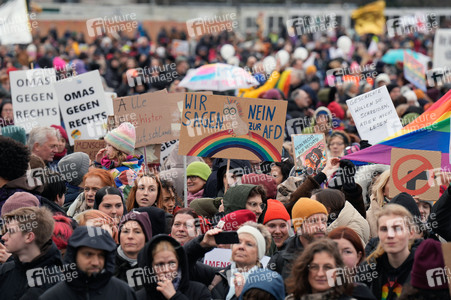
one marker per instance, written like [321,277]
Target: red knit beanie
[275,210]
[266,181]
[233,220]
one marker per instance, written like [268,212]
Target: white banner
[14,25]
[83,106]
[33,97]
[442,48]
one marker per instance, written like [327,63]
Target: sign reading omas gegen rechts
[83,106]
[33,98]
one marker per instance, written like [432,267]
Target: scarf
[131,261]
[233,270]
[197,195]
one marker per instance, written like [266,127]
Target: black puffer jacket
[186,290]
[281,261]
[14,283]
[98,286]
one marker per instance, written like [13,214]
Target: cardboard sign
[166,149]
[442,49]
[180,47]
[374,115]
[153,153]
[33,98]
[219,257]
[412,171]
[295,126]
[414,71]
[309,152]
[436,276]
[83,106]
[152,114]
[232,127]
[90,147]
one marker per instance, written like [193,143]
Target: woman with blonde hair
[392,260]
[379,197]
[96,218]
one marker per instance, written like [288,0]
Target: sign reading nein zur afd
[232,127]
[83,106]
[33,98]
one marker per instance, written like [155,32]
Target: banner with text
[232,127]
[83,106]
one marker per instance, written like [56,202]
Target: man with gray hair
[43,142]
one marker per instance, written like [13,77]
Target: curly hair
[298,284]
[14,159]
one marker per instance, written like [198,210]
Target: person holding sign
[117,156]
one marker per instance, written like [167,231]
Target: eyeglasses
[255,205]
[192,178]
[315,268]
[336,144]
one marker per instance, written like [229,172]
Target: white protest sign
[442,48]
[374,115]
[83,106]
[109,96]
[219,257]
[34,101]
[166,149]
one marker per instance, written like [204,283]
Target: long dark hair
[107,190]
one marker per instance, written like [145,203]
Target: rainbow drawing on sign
[222,140]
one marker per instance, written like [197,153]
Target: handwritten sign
[442,49]
[152,114]
[33,98]
[413,172]
[232,127]
[83,106]
[414,71]
[90,147]
[374,115]
[309,151]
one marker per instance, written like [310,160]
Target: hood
[259,279]
[145,260]
[97,238]
[236,197]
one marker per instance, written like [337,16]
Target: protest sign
[83,106]
[374,115]
[153,153]
[109,96]
[166,149]
[152,114]
[180,47]
[219,257]
[90,147]
[309,151]
[414,71]
[413,172]
[442,49]
[33,98]
[232,127]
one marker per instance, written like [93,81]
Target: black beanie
[409,203]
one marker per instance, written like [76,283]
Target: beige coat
[350,217]
[371,217]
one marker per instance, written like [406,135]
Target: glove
[348,173]
[364,144]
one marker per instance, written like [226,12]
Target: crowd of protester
[76,228]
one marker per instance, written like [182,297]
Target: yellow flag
[370,18]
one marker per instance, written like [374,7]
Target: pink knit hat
[122,138]
[19,200]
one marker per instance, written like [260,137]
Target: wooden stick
[227,176]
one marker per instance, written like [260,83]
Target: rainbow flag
[430,131]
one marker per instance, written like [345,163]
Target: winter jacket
[130,168]
[383,279]
[236,199]
[440,217]
[97,286]
[281,262]
[350,217]
[121,268]
[15,282]
[186,289]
